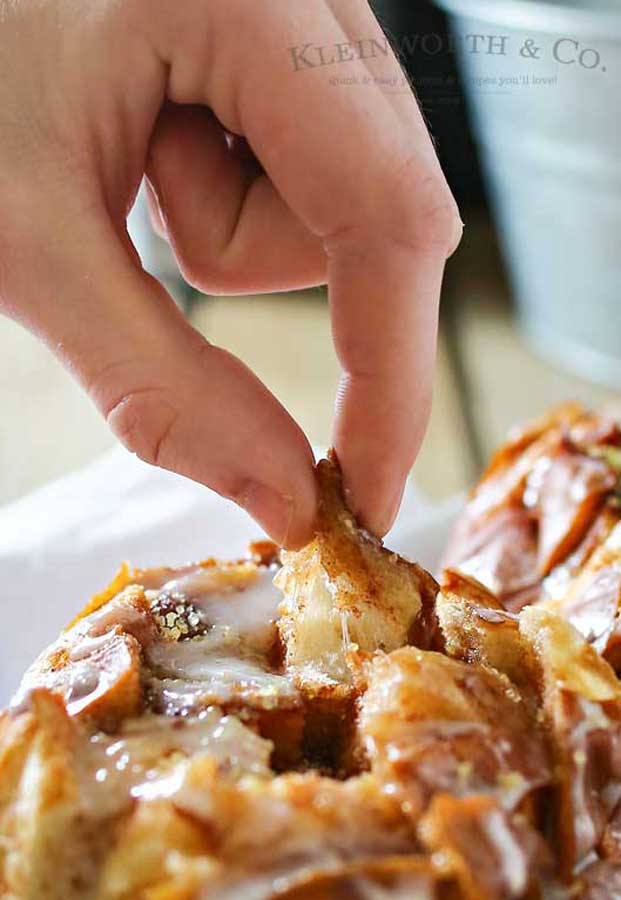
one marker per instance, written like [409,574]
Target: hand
[348,190]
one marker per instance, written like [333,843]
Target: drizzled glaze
[149,756]
[229,662]
[191,674]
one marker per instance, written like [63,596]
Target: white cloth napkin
[63,543]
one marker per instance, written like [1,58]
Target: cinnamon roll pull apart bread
[331,723]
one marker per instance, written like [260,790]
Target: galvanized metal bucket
[543,81]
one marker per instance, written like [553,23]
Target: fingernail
[384,519]
[272,510]
[392,510]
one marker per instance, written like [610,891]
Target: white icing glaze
[149,758]
[230,662]
[192,673]
[511,858]
[248,610]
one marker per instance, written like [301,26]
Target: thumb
[171,397]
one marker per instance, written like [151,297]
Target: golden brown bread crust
[547,502]
[488,853]
[346,592]
[201,733]
[434,725]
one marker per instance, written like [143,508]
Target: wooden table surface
[486,377]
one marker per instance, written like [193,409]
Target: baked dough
[332,723]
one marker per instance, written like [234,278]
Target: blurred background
[522,98]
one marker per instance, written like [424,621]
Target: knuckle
[204,269]
[441,227]
[412,208]
[427,214]
[197,267]
[145,422]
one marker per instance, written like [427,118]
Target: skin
[262,178]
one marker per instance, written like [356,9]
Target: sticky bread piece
[219,646]
[432,724]
[47,849]
[237,837]
[569,489]
[559,582]
[292,828]
[581,702]
[525,434]
[231,837]
[591,602]
[477,629]
[501,552]
[490,853]
[345,591]
[373,878]
[576,695]
[546,502]
[66,794]
[157,853]
[599,881]
[96,665]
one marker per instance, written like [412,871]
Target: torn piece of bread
[346,592]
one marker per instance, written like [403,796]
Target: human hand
[348,190]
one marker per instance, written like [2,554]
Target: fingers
[172,398]
[357,20]
[361,176]
[378,493]
[229,228]
[384,396]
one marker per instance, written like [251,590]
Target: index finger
[367,182]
